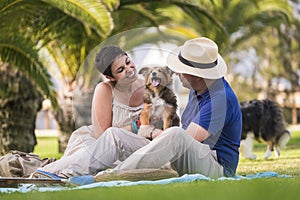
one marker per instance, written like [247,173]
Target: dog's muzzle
[155,81]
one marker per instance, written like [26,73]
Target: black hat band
[196,64]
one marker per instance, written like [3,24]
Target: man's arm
[197,132]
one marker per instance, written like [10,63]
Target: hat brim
[177,66]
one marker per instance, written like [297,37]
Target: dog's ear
[144,71]
[169,70]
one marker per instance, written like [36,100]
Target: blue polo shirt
[218,111]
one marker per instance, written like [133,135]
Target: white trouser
[79,141]
[115,144]
[176,146]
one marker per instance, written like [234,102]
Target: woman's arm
[101,109]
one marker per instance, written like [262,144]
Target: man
[208,142]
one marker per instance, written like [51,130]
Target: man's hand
[145,130]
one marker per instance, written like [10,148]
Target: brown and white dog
[160,103]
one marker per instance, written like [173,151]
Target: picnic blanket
[183,179]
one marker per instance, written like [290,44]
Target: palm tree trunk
[64,118]
[19,104]
[74,112]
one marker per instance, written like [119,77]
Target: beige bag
[21,164]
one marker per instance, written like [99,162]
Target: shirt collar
[214,86]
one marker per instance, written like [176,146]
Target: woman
[116,103]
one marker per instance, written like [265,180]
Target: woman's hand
[149,132]
[145,130]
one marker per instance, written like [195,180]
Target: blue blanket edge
[183,179]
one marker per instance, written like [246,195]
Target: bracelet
[134,127]
[150,136]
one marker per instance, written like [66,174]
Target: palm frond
[140,10]
[90,12]
[111,4]
[277,6]
[19,53]
[196,10]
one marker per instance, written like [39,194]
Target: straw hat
[198,57]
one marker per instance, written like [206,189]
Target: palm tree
[271,36]
[31,26]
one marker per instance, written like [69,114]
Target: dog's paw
[276,152]
[276,155]
[267,155]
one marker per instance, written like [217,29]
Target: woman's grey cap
[106,56]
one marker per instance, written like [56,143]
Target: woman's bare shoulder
[104,86]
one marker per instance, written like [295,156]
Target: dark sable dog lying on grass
[265,120]
[160,103]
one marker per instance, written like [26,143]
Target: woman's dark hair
[107,71]
[106,57]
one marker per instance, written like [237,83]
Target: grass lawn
[271,188]
[287,163]
[47,147]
